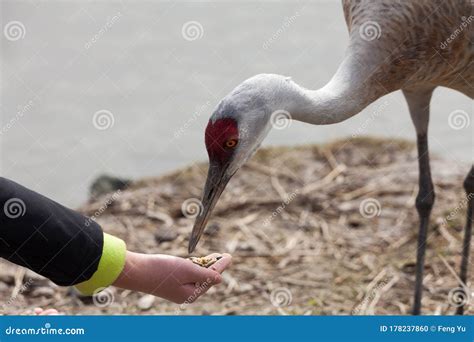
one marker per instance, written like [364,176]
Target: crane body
[412,46]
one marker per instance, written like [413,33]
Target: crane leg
[424,203]
[418,104]
[469,187]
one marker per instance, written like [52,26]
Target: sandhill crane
[413,46]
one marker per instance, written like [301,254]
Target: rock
[346,206]
[43,292]
[146,302]
[7,279]
[245,288]
[33,277]
[3,287]
[354,223]
[212,229]
[165,235]
[105,184]
[245,247]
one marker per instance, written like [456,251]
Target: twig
[19,276]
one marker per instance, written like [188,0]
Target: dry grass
[292,220]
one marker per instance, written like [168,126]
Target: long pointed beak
[215,185]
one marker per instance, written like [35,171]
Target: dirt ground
[314,230]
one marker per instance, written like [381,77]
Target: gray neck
[346,94]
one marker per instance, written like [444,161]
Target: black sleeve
[47,237]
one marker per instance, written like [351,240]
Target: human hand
[176,279]
[47,312]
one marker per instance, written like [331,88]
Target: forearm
[71,249]
[46,237]
[132,276]
[111,265]
[147,272]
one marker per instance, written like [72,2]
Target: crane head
[235,131]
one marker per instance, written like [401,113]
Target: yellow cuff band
[110,266]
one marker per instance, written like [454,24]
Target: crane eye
[231,143]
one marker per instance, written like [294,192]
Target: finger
[193,292]
[49,312]
[214,255]
[37,311]
[199,274]
[222,263]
